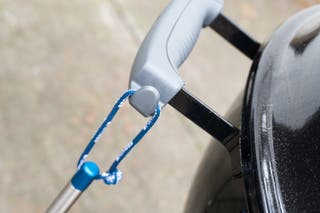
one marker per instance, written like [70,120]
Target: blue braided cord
[113,175]
[105,123]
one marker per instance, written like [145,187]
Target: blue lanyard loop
[113,176]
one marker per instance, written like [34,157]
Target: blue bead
[85,175]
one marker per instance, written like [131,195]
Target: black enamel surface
[280,140]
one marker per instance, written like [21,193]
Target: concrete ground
[63,64]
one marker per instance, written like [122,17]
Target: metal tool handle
[165,48]
[73,190]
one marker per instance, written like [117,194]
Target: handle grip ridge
[166,46]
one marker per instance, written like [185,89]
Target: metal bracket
[235,36]
[203,116]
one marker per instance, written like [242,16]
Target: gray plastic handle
[165,48]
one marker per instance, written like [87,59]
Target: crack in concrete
[128,21]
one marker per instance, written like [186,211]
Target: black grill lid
[280,140]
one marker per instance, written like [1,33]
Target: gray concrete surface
[62,66]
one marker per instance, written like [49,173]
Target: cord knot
[112,177]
